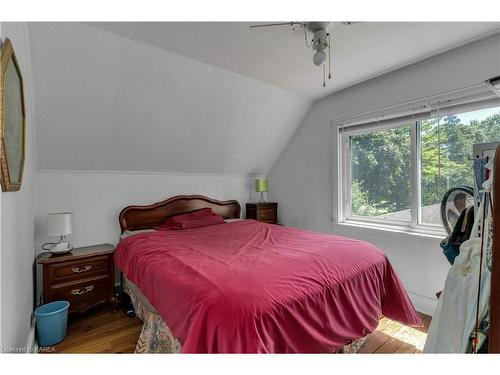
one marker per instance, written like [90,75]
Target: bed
[250,287]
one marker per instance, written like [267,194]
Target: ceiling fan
[320,41]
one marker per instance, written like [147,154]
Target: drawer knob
[80,270]
[79,291]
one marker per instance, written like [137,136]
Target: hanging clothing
[455,317]
[461,233]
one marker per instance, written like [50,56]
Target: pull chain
[324,75]
[329,58]
[305,37]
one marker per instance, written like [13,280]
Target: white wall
[17,219]
[97,198]
[301,179]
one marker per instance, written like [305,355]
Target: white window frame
[344,166]
[415,179]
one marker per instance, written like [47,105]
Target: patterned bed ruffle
[156,337]
[354,346]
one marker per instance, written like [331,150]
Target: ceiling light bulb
[319,58]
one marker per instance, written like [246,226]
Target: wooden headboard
[146,217]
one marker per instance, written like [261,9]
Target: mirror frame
[7,56]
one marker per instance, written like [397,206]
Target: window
[381,174]
[396,172]
[446,151]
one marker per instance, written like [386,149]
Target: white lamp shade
[59,224]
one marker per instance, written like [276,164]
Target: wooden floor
[101,331]
[394,337]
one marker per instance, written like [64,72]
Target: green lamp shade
[261,185]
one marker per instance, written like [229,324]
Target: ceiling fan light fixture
[319,58]
[320,42]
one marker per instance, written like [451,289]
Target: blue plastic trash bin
[51,321]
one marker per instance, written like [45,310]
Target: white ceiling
[278,56]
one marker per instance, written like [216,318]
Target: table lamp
[261,186]
[60,225]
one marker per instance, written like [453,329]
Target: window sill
[420,232]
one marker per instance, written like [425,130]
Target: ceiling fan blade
[291,24]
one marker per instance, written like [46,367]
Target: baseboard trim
[423,304]
[151,173]
[31,344]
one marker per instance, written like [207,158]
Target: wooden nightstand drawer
[267,215]
[76,270]
[266,212]
[84,294]
[85,277]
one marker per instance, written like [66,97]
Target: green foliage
[381,180]
[360,201]
[449,165]
[381,171]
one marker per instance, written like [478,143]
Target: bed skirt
[156,336]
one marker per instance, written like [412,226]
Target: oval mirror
[12,117]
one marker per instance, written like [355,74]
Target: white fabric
[455,316]
[232,220]
[129,233]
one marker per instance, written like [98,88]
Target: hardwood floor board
[383,324]
[406,348]
[125,344]
[104,343]
[426,320]
[390,346]
[393,337]
[375,341]
[95,332]
[97,317]
[411,336]
[391,328]
[91,348]
[120,340]
[122,349]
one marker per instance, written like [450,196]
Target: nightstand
[84,277]
[267,212]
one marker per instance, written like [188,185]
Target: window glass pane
[446,152]
[381,173]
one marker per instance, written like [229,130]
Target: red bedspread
[248,287]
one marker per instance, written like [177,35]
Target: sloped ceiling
[279,56]
[107,103]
